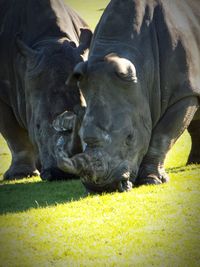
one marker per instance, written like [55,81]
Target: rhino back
[35,19]
[178,27]
[31,21]
[162,37]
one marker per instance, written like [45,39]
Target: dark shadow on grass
[23,196]
[183,168]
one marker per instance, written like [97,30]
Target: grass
[55,224]
[149,226]
[90,10]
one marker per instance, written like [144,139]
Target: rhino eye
[129,139]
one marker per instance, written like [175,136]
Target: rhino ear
[25,50]
[85,40]
[32,57]
[78,73]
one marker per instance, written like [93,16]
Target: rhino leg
[167,131]
[194,131]
[23,160]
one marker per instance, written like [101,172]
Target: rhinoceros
[40,43]
[141,84]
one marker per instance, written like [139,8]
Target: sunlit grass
[147,226]
[90,10]
[55,224]
[178,156]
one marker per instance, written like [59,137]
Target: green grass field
[55,224]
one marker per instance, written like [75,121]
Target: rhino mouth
[112,185]
[118,179]
[98,172]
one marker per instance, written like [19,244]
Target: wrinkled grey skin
[142,86]
[40,43]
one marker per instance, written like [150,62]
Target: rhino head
[44,69]
[116,127]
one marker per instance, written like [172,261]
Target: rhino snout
[98,173]
[91,167]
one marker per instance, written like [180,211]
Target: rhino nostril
[92,142]
[69,131]
[38,126]
[129,139]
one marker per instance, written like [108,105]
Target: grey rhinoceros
[141,84]
[40,43]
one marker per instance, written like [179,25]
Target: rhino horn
[64,121]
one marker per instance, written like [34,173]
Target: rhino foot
[19,173]
[152,179]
